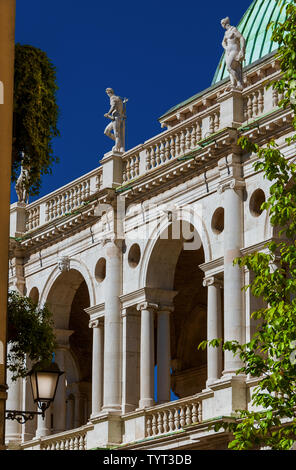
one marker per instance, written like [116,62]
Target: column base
[146,403]
[111,409]
[210,382]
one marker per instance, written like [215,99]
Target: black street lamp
[44,382]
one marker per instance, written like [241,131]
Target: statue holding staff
[116,129]
[234,45]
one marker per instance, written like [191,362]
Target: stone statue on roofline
[116,128]
[234,45]
[21,186]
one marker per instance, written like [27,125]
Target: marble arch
[184,215]
[77,266]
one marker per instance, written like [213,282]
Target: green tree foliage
[270,355]
[30,334]
[35,114]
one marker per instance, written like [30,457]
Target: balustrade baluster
[128,170]
[149,426]
[81,442]
[159,422]
[153,157]
[157,155]
[188,419]
[137,165]
[165,421]
[249,107]
[198,132]
[194,413]
[167,149]
[182,142]
[193,137]
[182,417]
[187,139]
[161,153]
[76,443]
[148,158]
[261,100]
[255,104]
[171,420]
[177,419]
[200,412]
[177,145]
[154,425]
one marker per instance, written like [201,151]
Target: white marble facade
[149,275]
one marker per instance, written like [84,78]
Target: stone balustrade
[64,201]
[33,218]
[131,165]
[173,416]
[74,439]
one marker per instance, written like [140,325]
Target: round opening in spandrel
[218,221]
[100,270]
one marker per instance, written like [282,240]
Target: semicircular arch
[183,215]
[55,274]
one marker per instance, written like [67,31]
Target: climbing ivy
[35,114]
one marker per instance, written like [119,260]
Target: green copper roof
[253,27]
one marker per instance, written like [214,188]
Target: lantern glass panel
[47,382]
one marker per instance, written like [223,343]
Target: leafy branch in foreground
[30,334]
[270,354]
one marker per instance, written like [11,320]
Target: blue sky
[156,53]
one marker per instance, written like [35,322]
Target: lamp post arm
[22,416]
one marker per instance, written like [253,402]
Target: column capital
[165,309]
[233,183]
[212,281]
[113,242]
[97,323]
[147,306]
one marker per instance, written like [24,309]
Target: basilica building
[135,261]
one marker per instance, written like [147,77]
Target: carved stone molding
[212,281]
[147,306]
[231,184]
[98,323]
[166,309]
[64,264]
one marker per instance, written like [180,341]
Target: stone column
[13,430]
[233,275]
[97,365]
[147,360]
[43,425]
[112,347]
[59,403]
[130,359]
[163,355]
[214,327]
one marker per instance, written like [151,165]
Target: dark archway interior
[68,299]
[189,325]
[81,339]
